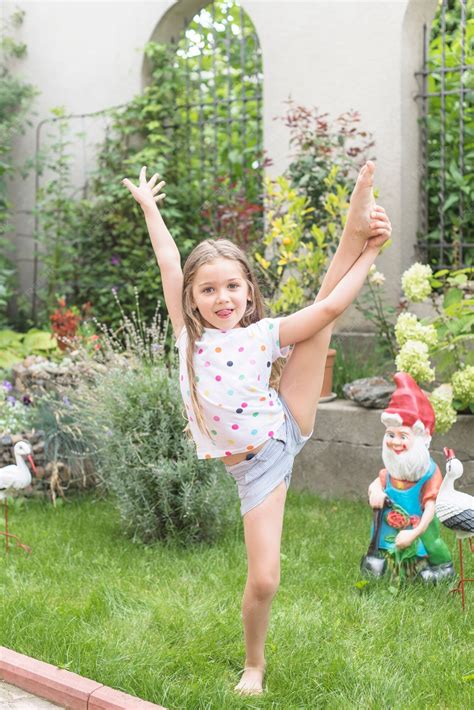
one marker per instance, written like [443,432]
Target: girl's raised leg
[262,527]
[302,377]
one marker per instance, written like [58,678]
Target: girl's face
[220,293]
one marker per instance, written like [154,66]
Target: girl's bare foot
[362,204]
[251,682]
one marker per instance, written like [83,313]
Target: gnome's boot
[435,574]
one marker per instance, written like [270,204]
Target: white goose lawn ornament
[456,511]
[14,478]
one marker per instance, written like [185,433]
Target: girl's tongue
[225,312]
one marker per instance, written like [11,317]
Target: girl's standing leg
[262,528]
[300,386]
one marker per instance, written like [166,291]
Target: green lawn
[165,624]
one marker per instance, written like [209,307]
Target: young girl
[226,349]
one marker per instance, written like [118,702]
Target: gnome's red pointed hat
[409,406]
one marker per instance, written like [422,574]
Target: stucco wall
[337,55]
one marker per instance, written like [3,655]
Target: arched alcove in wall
[215,113]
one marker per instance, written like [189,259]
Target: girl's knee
[265,586]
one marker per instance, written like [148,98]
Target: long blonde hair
[205,252]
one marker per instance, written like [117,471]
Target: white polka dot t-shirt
[232,369]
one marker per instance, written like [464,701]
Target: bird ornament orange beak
[449,453]
[30,459]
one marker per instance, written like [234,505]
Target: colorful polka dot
[207,363]
[255,414]
[253,362]
[216,419]
[271,403]
[250,447]
[213,431]
[231,442]
[228,453]
[201,350]
[230,392]
[207,456]
[268,364]
[241,350]
[229,363]
[235,426]
[181,378]
[239,410]
[218,378]
[263,347]
[262,399]
[270,433]
[270,326]
[218,350]
[254,431]
[244,404]
[241,377]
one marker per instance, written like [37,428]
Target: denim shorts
[260,475]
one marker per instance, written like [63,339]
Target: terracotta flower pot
[326,390]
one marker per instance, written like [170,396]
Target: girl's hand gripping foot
[380,228]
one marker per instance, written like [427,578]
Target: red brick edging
[63,687]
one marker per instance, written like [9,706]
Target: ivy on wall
[449,184]
[16,97]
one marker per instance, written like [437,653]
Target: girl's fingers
[152,181]
[158,187]
[160,197]
[143,175]
[379,224]
[128,184]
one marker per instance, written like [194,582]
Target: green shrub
[163,492]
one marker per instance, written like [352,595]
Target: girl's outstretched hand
[147,193]
[380,228]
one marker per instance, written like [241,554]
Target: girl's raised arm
[310,320]
[166,251]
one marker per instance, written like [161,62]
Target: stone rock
[370,392]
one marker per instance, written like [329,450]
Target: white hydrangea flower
[408,327]
[463,385]
[445,414]
[413,358]
[376,278]
[416,282]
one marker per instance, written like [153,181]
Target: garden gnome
[405,490]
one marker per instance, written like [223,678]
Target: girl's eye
[209,288]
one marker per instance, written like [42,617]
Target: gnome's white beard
[411,465]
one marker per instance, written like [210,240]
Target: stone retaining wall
[345,452]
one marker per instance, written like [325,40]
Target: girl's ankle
[255,666]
